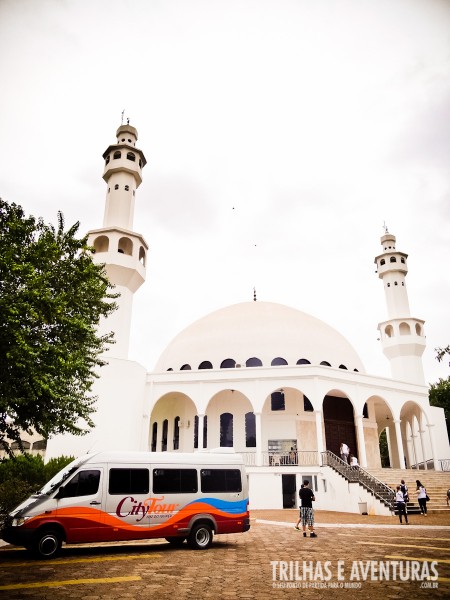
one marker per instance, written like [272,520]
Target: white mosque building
[279,386]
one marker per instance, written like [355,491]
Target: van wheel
[200,537]
[46,544]
[175,541]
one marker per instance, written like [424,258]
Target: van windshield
[60,477]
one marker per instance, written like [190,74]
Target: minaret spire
[123,251]
[402,336]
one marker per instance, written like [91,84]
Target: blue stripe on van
[240,506]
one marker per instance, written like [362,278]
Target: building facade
[279,386]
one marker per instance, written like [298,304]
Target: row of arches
[230,363]
[118,155]
[124,246]
[393,259]
[403,328]
[288,419]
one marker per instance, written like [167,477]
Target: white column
[409,449]
[389,445]
[422,444]
[201,421]
[258,430]
[416,453]
[433,448]
[319,436]
[398,435]
[361,442]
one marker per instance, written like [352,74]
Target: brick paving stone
[237,565]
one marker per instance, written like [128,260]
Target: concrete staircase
[436,483]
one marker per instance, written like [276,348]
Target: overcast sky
[280,135]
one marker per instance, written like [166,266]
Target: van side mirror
[60,493]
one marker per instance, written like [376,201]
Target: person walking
[422,498]
[404,490]
[401,505]
[344,451]
[306,510]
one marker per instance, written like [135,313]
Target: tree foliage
[439,395]
[23,475]
[441,352]
[52,296]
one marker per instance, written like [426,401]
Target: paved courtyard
[351,553]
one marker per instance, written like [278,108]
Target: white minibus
[116,496]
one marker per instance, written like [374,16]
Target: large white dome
[262,330]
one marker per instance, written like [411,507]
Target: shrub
[23,475]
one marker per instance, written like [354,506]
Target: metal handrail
[444,464]
[356,474]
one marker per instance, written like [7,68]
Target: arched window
[142,255]
[176,433]
[185,368]
[307,406]
[389,331]
[418,329]
[125,246]
[277,401]
[343,367]
[382,261]
[365,411]
[325,363]
[116,187]
[393,259]
[228,363]
[127,188]
[16,445]
[40,445]
[196,431]
[226,430]
[205,431]
[303,361]
[205,365]
[402,259]
[276,362]
[253,362]
[101,244]
[404,329]
[154,436]
[117,154]
[107,159]
[250,430]
[131,156]
[165,430]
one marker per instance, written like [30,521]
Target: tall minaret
[402,336]
[123,251]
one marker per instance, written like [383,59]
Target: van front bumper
[18,536]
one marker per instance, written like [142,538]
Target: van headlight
[18,521]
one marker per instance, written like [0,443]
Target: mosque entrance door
[339,424]
[289,490]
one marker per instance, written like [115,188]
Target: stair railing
[359,475]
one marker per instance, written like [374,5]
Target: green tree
[52,297]
[441,352]
[439,395]
[384,450]
[23,475]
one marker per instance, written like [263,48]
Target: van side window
[221,480]
[174,481]
[128,481]
[85,483]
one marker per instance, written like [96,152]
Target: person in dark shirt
[306,510]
